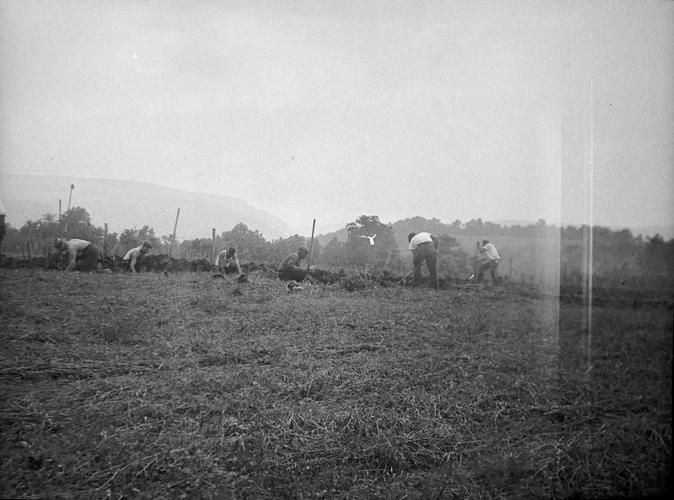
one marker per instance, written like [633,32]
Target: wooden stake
[72,186]
[105,241]
[173,238]
[213,255]
[311,248]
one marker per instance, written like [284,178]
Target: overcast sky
[334,109]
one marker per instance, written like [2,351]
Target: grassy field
[120,386]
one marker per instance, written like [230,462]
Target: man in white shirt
[133,255]
[424,247]
[227,261]
[487,260]
[81,251]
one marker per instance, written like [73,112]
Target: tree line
[350,248]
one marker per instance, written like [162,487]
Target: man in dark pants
[79,251]
[134,255]
[424,247]
[290,268]
[227,261]
[487,260]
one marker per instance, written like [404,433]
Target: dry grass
[121,386]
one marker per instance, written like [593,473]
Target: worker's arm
[132,263]
[72,254]
[294,263]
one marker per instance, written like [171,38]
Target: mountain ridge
[28,197]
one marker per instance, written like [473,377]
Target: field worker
[487,260]
[227,261]
[81,251]
[134,254]
[424,247]
[290,268]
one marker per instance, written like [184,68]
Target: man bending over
[134,254]
[424,247]
[227,261]
[79,251]
[487,261]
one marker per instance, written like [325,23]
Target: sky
[328,110]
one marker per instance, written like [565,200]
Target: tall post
[72,186]
[105,241]
[59,230]
[173,237]
[213,255]
[311,248]
[588,235]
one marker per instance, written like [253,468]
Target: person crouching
[81,253]
[133,255]
[488,260]
[227,262]
[290,268]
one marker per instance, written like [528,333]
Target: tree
[198,248]
[491,228]
[334,253]
[76,223]
[452,259]
[45,228]
[360,252]
[12,241]
[39,234]
[132,238]
[249,244]
[283,246]
[474,226]
[658,256]
[111,243]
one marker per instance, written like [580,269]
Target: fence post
[213,254]
[173,237]
[105,241]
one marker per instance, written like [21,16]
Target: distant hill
[128,204]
